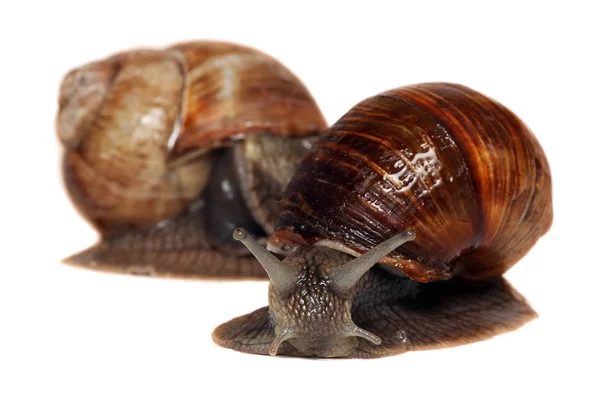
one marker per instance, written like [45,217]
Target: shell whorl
[454,165]
[233,90]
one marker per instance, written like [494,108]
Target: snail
[397,227]
[168,151]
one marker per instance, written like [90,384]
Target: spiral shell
[454,165]
[137,127]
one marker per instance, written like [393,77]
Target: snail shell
[167,144]
[456,166]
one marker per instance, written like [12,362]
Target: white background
[76,336]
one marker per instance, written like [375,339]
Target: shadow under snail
[395,227]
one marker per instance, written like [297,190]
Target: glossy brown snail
[437,181]
[441,185]
[168,151]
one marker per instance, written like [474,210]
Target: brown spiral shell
[137,126]
[456,166]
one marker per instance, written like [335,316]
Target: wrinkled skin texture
[317,317]
[405,314]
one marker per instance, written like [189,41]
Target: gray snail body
[444,186]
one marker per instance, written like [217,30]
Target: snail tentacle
[356,331]
[346,276]
[282,277]
[284,335]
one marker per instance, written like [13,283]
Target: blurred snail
[445,187]
[168,151]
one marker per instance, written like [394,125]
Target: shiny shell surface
[456,166]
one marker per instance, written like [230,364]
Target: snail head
[311,295]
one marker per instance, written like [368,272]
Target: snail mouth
[340,345]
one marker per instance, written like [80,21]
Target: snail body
[445,187]
[167,151]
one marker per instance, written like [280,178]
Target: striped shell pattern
[137,127]
[456,166]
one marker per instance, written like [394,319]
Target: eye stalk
[282,276]
[346,276]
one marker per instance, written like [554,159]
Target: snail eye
[226,209]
